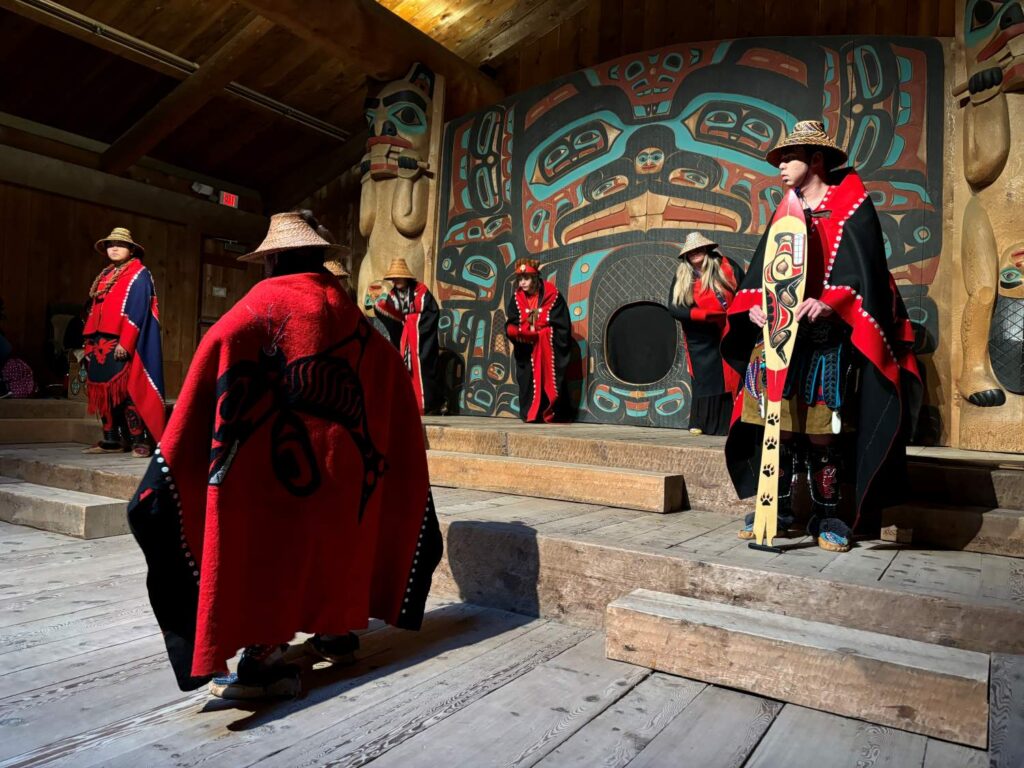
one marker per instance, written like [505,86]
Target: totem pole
[396,180]
[992,252]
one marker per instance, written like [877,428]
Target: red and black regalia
[410,316]
[539,329]
[125,393]
[713,382]
[858,365]
[290,492]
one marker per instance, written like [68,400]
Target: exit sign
[229,199]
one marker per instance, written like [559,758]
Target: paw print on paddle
[766,499]
[771,444]
[768,470]
[772,420]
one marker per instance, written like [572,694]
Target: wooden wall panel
[47,258]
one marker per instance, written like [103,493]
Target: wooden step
[973,529]
[84,515]
[966,477]
[49,430]
[573,577]
[12,408]
[64,466]
[626,488]
[981,484]
[706,480]
[918,687]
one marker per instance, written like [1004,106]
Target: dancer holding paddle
[837,350]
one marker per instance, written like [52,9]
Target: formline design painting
[602,173]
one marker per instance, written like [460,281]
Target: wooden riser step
[113,475]
[706,481]
[84,515]
[574,578]
[974,482]
[973,529]
[13,408]
[966,484]
[918,687]
[49,430]
[626,488]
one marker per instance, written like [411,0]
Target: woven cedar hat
[399,269]
[335,265]
[809,133]
[693,241]
[527,267]
[118,235]
[287,232]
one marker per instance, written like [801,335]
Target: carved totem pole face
[993,37]
[399,121]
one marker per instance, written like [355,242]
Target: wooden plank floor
[84,682]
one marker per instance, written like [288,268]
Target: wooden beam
[64,178]
[221,68]
[917,687]
[369,38]
[71,148]
[61,19]
[314,174]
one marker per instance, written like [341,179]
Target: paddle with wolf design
[785,267]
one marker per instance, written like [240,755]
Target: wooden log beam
[368,38]
[917,687]
[221,68]
[81,183]
[78,150]
[59,18]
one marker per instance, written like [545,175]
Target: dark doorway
[640,343]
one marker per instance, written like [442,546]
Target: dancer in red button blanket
[123,357]
[410,314]
[845,412]
[290,491]
[537,322]
[700,294]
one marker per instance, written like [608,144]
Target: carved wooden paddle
[785,267]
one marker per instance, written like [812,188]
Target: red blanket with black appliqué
[290,492]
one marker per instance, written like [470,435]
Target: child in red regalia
[123,357]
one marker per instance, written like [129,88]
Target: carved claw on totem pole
[987,399]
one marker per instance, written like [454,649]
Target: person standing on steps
[701,292]
[123,356]
[846,404]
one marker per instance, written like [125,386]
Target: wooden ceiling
[275,104]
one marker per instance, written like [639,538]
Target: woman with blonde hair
[701,292]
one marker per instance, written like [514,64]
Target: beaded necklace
[114,271]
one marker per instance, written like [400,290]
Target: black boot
[111,443]
[262,673]
[824,468]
